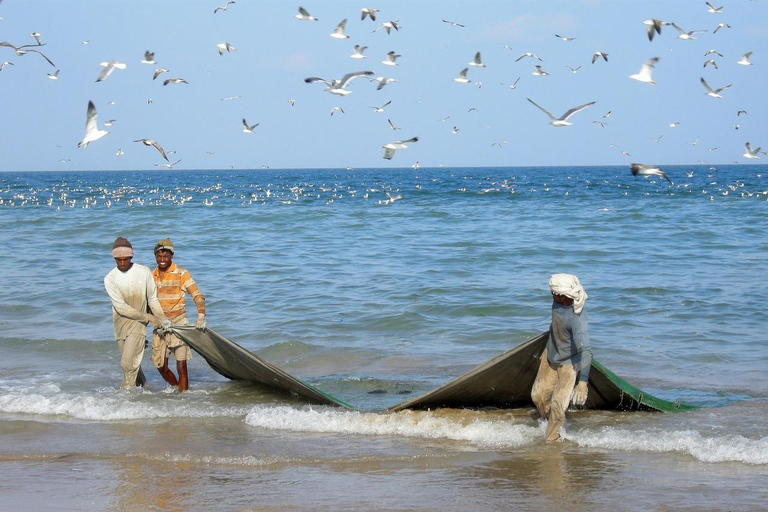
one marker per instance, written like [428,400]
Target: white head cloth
[569,285]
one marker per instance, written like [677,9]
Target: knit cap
[122,248]
[164,244]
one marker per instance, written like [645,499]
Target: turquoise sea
[376,285]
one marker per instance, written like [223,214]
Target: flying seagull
[392,125]
[477,61]
[382,81]
[338,87]
[648,170]
[713,93]
[597,55]
[453,23]
[539,72]
[304,15]
[462,78]
[92,132]
[248,128]
[564,38]
[25,48]
[223,7]
[109,66]
[338,32]
[562,120]
[646,70]
[168,165]
[150,142]
[686,35]
[744,61]
[391,58]
[6,63]
[719,26]
[528,54]
[653,26]
[159,71]
[381,108]
[225,47]
[389,149]
[389,25]
[368,11]
[751,153]
[175,81]
[149,58]
[713,9]
[359,52]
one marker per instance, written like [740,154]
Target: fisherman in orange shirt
[173,285]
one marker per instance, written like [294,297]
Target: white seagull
[391,58]
[597,55]
[751,153]
[149,58]
[713,9]
[248,128]
[92,132]
[462,78]
[389,25]
[648,170]
[528,54]
[688,36]
[54,75]
[338,87]
[564,38]
[368,11]
[381,108]
[713,93]
[154,144]
[539,72]
[359,52]
[653,27]
[383,81]
[513,85]
[160,71]
[6,63]
[744,61]
[225,47]
[453,23]
[25,48]
[109,66]
[477,61]
[338,32]
[389,149]
[562,120]
[223,7]
[719,26]
[304,15]
[168,165]
[646,70]
[175,81]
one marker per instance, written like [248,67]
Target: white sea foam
[726,448]
[112,406]
[486,433]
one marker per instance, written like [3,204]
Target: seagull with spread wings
[562,120]
[154,144]
[338,87]
[92,132]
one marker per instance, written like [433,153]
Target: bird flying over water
[453,23]
[92,132]
[154,144]
[338,87]
[562,120]
[462,78]
[648,170]
[477,61]
[338,32]
[686,35]
[646,70]
[744,61]
[168,165]
[751,153]
[149,58]
[389,25]
[653,27]
[389,149]
[109,66]
[26,48]
[175,81]
[248,128]
[368,11]
[159,71]
[225,47]
[597,55]
[304,15]
[223,7]
[713,93]
[358,52]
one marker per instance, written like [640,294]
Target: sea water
[375,286]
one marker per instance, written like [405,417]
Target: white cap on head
[569,285]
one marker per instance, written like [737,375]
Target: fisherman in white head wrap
[568,355]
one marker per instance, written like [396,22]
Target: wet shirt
[131,292]
[569,340]
[173,285]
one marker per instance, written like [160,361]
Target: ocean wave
[726,448]
[114,405]
[479,431]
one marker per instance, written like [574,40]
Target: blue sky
[42,120]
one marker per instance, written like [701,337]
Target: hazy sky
[42,120]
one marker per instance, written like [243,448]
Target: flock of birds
[342,86]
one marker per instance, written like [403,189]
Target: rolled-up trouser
[552,393]
[131,353]
[163,345]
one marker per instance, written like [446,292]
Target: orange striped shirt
[173,285]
